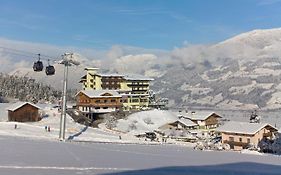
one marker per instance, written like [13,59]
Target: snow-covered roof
[99,93]
[137,77]
[184,121]
[199,115]
[84,77]
[133,95]
[111,75]
[18,105]
[187,122]
[243,127]
[92,68]
[125,76]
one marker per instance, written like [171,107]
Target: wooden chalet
[180,124]
[23,112]
[204,119]
[239,135]
[91,102]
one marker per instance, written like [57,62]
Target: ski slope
[30,149]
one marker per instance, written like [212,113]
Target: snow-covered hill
[234,85]
[242,72]
[252,45]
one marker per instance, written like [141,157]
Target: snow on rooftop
[92,68]
[187,122]
[99,93]
[242,127]
[198,115]
[127,76]
[111,75]
[137,77]
[17,105]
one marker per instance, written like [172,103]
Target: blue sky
[152,24]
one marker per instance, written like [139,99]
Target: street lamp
[66,61]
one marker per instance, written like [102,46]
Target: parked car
[150,135]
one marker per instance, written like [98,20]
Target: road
[25,156]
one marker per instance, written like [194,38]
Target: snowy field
[30,149]
[26,156]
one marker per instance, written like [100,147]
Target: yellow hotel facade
[134,89]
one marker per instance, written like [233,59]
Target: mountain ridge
[242,72]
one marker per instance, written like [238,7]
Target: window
[240,139]
[135,100]
[97,101]
[231,139]
[248,140]
[113,100]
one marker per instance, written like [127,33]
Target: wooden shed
[23,112]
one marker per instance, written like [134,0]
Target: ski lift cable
[28,54]
[14,53]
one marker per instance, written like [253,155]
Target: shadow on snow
[241,168]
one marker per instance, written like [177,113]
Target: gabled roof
[243,127]
[95,74]
[18,105]
[99,93]
[200,115]
[84,77]
[186,122]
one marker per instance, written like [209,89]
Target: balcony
[138,85]
[269,134]
[235,143]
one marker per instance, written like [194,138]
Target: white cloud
[251,45]
[135,63]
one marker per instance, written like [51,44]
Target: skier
[49,129]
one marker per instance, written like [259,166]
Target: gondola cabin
[38,66]
[23,112]
[50,70]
